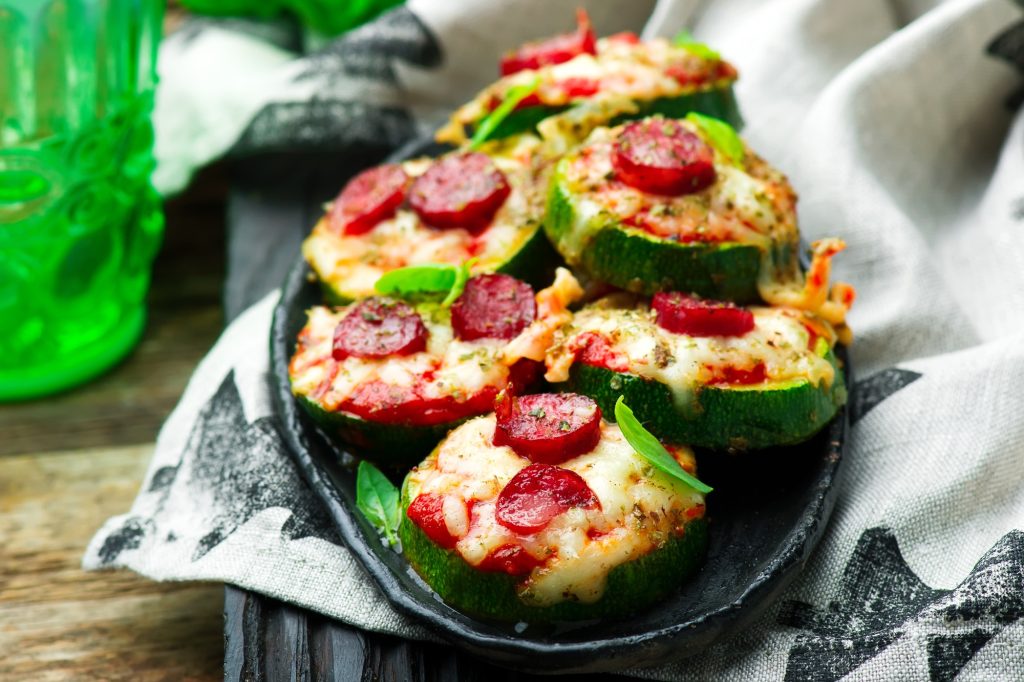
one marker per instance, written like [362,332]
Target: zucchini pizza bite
[657,76]
[544,511]
[460,206]
[663,205]
[705,373]
[391,378]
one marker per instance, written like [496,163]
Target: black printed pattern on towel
[242,469]
[331,120]
[876,388]
[369,50]
[1009,46]
[128,536]
[245,468]
[881,602]
[320,125]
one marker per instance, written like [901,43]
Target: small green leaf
[648,447]
[418,279]
[722,136]
[428,278]
[379,501]
[513,97]
[686,41]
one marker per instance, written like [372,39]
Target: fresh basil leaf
[648,447]
[686,41]
[428,278]
[418,279]
[723,136]
[379,501]
[513,97]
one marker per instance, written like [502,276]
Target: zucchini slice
[698,390]
[647,536]
[395,409]
[656,76]
[719,242]
[348,266]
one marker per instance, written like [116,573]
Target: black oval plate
[768,511]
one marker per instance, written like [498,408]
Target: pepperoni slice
[368,198]
[554,50]
[683,314]
[427,512]
[660,156]
[548,427]
[511,559]
[539,493]
[378,327]
[493,306]
[459,190]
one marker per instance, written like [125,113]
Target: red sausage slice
[459,190]
[426,511]
[368,198]
[378,327]
[683,314]
[511,559]
[539,493]
[548,427]
[555,50]
[660,156]
[493,307]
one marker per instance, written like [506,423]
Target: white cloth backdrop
[894,124]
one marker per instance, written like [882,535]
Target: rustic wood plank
[58,622]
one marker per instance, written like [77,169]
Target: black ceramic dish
[768,511]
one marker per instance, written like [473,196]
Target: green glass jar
[328,17]
[79,221]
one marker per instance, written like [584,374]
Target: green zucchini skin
[534,263]
[391,445]
[640,262]
[631,586]
[719,102]
[721,418]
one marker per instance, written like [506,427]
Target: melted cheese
[749,205]
[641,508]
[639,72]
[456,368]
[352,264]
[811,292]
[684,363]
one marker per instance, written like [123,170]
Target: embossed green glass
[79,221]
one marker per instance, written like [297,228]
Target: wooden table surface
[69,462]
